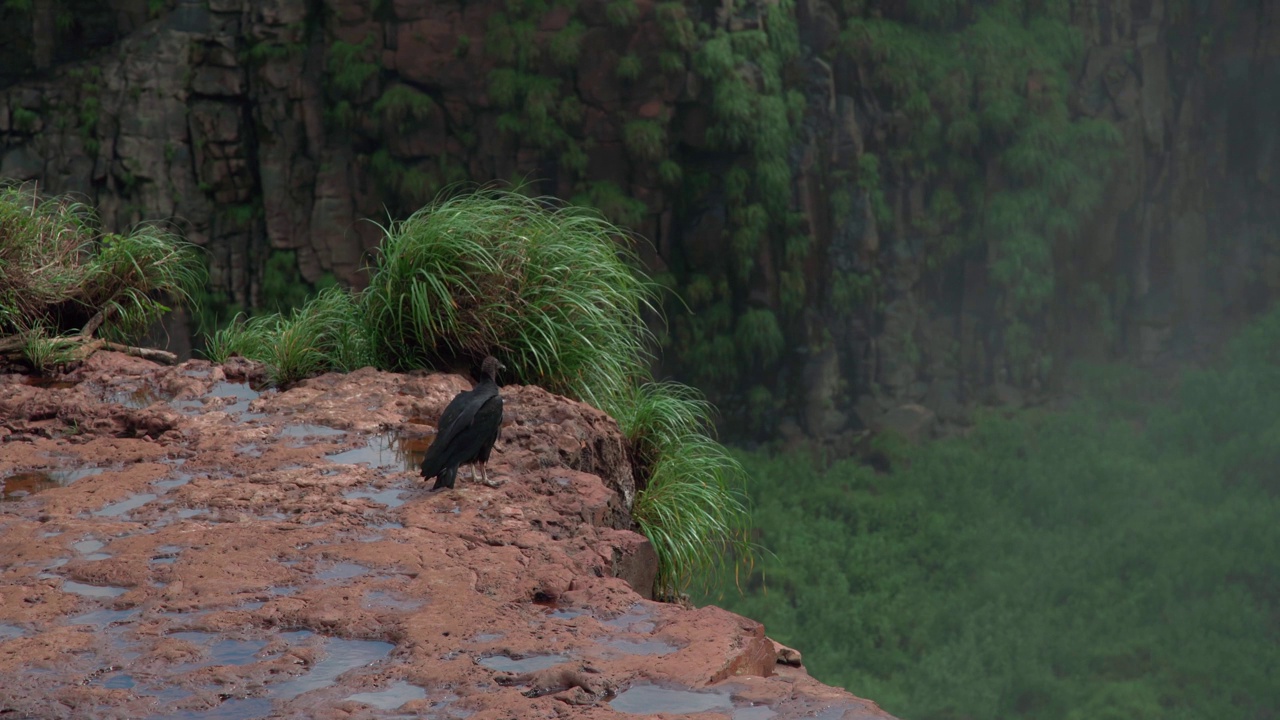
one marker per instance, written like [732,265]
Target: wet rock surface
[175,544]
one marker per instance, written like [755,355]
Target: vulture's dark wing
[454,427]
[488,425]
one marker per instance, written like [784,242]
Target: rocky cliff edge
[174,543]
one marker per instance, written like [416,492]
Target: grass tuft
[691,502]
[59,271]
[45,352]
[549,288]
[325,334]
[694,512]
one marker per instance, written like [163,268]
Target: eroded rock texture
[172,541]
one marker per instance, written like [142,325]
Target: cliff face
[758,149]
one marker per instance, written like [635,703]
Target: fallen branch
[85,346]
[164,357]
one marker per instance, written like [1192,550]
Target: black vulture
[467,430]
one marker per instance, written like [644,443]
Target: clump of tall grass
[324,335]
[45,352]
[691,502]
[60,272]
[547,287]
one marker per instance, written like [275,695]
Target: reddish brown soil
[173,545]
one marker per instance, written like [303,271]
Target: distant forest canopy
[1115,559]
[864,210]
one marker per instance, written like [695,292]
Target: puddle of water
[102,618]
[66,477]
[87,546]
[179,479]
[94,557]
[307,430]
[255,605]
[56,563]
[390,498]
[385,450]
[641,647]
[283,590]
[93,591]
[238,709]
[393,697]
[137,399]
[342,571]
[340,656]
[10,631]
[566,613]
[755,712]
[382,598]
[381,526]
[188,513]
[119,681]
[124,506]
[188,407]
[651,699]
[169,694]
[637,619]
[486,637]
[242,395]
[20,486]
[505,663]
[222,652]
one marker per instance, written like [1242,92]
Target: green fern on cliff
[401,104]
[348,67]
[645,140]
[566,45]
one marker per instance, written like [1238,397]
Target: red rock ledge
[173,544]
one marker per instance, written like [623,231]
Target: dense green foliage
[981,91]
[59,273]
[558,296]
[1117,559]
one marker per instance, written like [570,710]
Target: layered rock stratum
[174,543]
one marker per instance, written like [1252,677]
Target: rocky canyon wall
[761,148]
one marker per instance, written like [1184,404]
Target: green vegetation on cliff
[1116,559]
[983,124]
